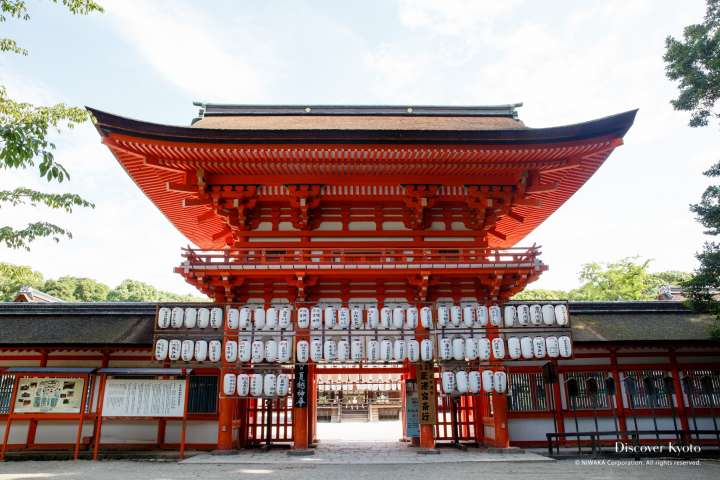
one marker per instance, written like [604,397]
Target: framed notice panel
[144,398]
[49,395]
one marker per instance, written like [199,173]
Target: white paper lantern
[487,381]
[426,317]
[426,350]
[186,350]
[214,350]
[244,319]
[484,349]
[373,351]
[500,382]
[443,314]
[548,314]
[176,318]
[303,318]
[233,319]
[458,348]
[474,382]
[413,350]
[523,315]
[510,316]
[461,381]
[411,318]
[399,350]
[553,346]
[398,318]
[330,317]
[201,350]
[536,314]
[526,345]
[386,351]
[514,349]
[539,350]
[203,318]
[302,351]
[243,384]
[256,385]
[448,382]
[271,319]
[356,318]
[190,317]
[481,316]
[561,315]
[316,318]
[565,346]
[468,317]
[231,351]
[174,347]
[373,318]
[284,320]
[244,350]
[316,350]
[445,349]
[343,350]
[283,355]
[161,349]
[257,351]
[495,316]
[356,350]
[282,385]
[330,350]
[455,316]
[271,351]
[343,318]
[216,317]
[471,349]
[229,384]
[269,384]
[163,320]
[385,318]
[259,318]
[498,348]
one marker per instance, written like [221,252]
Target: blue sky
[567,61]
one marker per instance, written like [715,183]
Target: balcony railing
[361,258]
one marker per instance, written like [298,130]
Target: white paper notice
[144,398]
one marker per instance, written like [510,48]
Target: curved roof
[365,151]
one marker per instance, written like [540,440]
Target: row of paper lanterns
[357,318]
[256,384]
[462,382]
[369,387]
[356,350]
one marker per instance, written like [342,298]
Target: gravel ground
[124,470]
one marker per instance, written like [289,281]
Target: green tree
[694,63]
[133,291]
[541,294]
[12,277]
[25,142]
[625,279]
[75,289]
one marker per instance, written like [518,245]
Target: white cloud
[181,43]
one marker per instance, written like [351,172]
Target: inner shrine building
[371,244]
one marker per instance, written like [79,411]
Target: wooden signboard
[426,393]
[49,395]
[300,385]
[144,398]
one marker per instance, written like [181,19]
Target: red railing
[362,256]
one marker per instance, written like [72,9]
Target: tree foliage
[694,62]
[626,279]
[25,131]
[78,289]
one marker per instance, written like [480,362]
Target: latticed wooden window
[647,389]
[203,394]
[527,392]
[702,388]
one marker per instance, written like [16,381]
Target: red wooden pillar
[225,419]
[622,421]
[500,420]
[682,413]
[427,432]
[302,431]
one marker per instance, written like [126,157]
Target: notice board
[144,398]
[49,395]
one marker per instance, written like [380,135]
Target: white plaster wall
[129,431]
[197,432]
[525,429]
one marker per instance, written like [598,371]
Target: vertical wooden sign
[300,385]
[426,393]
